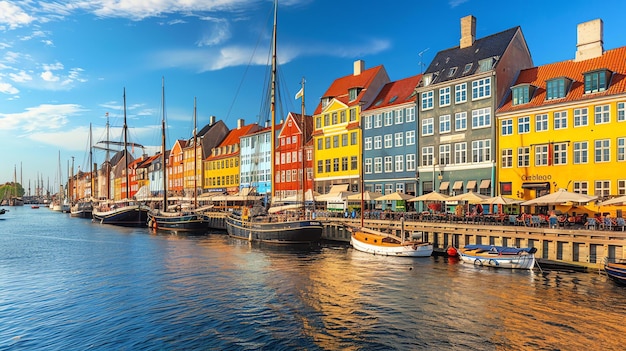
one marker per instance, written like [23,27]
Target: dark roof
[491,46]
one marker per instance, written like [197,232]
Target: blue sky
[64,65]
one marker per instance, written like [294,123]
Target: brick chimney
[468,31]
[589,44]
[240,123]
[359,67]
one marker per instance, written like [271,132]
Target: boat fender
[414,246]
[478,262]
[493,262]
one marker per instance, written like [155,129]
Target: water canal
[69,284]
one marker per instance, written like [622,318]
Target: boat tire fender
[493,262]
[477,262]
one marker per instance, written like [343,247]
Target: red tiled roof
[613,60]
[352,125]
[339,88]
[403,90]
[233,136]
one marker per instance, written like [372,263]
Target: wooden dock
[576,247]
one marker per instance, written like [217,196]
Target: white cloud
[217,33]
[455,3]
[7,88]
[13,16]
[53,67]
[20,77]
[48,76]
[42,117]
[47,42]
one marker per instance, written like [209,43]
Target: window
[399,139]
[352,115]
[481,150]
[507,127]
[621,108]
[354,163]
[367,122]
[368,166]
[378,142]
[560,154]
[481,88]
[602,114]
[367,142]
[581,187]
[327,143]
[460,92]
[602,188]
[427,155]
[378,121]
[560,120]
[388,118]
[344,163]
[353,138]
[388,141]
[427,100]
[410,137]
[581,117]
[523,125]
[596,81]
[460,121]
[410,114]
[318,122]
[555,89]
[452,71]
[336,164]
[335,120]
[580,152]
[444,96]
[335,141]
[410,162]
[507,158]
[343,116]
[541,155]
[485,65]
[523,156]
[481,118]
[388,164]
[398,114]
[467,68]
[460,153]
[541,123]
[621,187]
[320,144]
[444,154]
[327,165]
[602,150]
[326,120]
[378,165]
[444,124]
[521,95]
[427,126]
[621,149]
[399,163]
[344,139]
[353,92]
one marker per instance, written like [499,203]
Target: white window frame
[399,164]
[444,124]
[507,127]
[428,126]
[602,150]
[481,89]
[581,152]
[378,142]
[523,125]
[460,153]
[410,114]
[398,116]
[559,154]
[460,121]
[541,122]
[428,153]
[410,162]
[560,120]
[444,154]
[388,141]
[507,158]
[378,165]
[481,118]
[378,120]
[523,157]
[367,143]
[410,137]
[368,122]
[460,93]
[481,151]
[602,114]
[399,139]
[581,117]
[444,96]
[388,164]
[427,100]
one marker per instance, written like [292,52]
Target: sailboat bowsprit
[287,228]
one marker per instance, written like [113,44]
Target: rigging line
[230,108]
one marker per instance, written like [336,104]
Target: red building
[293,158]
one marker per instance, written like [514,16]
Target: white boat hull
[376,247]
[521,261]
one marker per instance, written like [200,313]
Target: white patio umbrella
[501,200]
[432,196]
[620,200]
[559,197]
[367,196]
[470,197]
[397,196]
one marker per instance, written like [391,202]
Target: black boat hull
[287,233]
[129,216]
[183,223]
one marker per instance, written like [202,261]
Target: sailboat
[127,213]
[84,207]
[57,204]
[276,229]
[188,221]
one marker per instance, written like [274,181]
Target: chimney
[359,67]
[239,123]
[468,31]
[589,43]
[211,120]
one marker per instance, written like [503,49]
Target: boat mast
[108,163]
[302,143]
[163,144]
[125,130]
[273,105]
[91,180]
[195,157]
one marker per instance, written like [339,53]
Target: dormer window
[597,81]
[557,88]
[427,79]
[522,94]
[353,92]
[452,71]
[486,64]
[325,102]
[467,68]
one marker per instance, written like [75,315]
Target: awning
[444,186]
[536,185]
[458,185]
[485,184]
[471,185]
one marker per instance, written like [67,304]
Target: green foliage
[7,190]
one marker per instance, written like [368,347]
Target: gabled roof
[233,136]
[614,60]
[490,46]
[340,87]
[396,93]
[297,117]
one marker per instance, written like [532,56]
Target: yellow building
[337,129]
[564,126]
[221,168]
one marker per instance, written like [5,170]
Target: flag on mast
[300,93]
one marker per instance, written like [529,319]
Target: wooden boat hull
[511,258]
[301,232]
[127,216]
[377,243]
[178,223]
[616,271]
